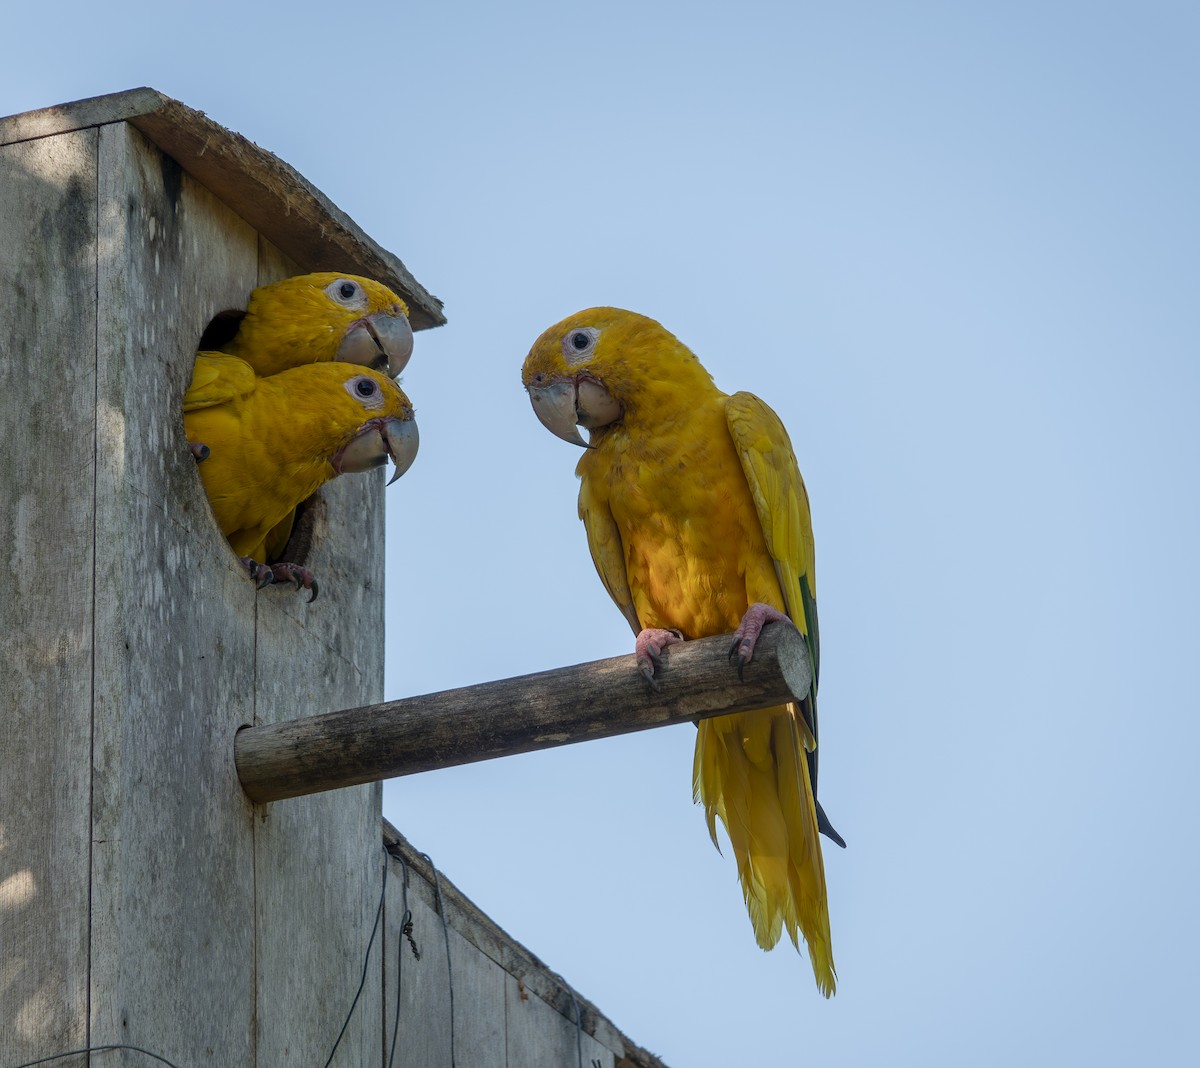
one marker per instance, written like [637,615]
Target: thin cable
[437,886]
[405,932]
[97,1049]
[366,965]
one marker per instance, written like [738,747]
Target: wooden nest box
[144,900]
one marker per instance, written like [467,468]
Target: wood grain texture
[77,115]
[541,1037]
[424,1037]
[270,195]
[172,871]
[424,1015]
[518,715]
[47,515]
[419,984]
[318,860]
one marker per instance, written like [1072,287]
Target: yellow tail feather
[750,770]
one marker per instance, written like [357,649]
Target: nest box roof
[273,197]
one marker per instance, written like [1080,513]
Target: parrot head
[370,420]
[599,368]
[313,318]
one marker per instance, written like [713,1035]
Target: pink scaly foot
[265,574]
[649,647]
[198,450]
[745,638]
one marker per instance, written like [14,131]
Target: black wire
[405,921]
[437,886]
[366,964]
[97,1049]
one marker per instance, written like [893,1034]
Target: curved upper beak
[378,440]
[383,341]
[554,405]
[569,403]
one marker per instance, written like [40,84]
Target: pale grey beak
[375,442]
[554,405]
[564,405]
[382,341]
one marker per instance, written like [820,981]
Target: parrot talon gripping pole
[757,616]
[648,650]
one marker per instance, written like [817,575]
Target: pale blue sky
[955,246]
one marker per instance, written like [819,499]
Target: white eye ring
[365,390]
[579,343]
[347,293]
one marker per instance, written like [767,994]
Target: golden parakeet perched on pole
[315,318]
[277,439]
[698,523]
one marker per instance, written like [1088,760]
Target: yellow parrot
[277,439]
[314,318]
[698,522]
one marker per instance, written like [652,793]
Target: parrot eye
[365,389]
[347,293]
[579,343]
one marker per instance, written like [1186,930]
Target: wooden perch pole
[571,704]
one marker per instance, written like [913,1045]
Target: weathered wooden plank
[318,889]
[47,501]
[318,859]
[479,1021]
[172,867]
[518,715]
[270,195]
[541,1037]
[77,115]
[423,1036]
[481,932]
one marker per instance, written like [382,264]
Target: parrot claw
[260,573]
[647,672]
[745,638]
[266,574]
[301,576]
[199,450]
[742,660]
[649,647]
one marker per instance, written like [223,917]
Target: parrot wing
[218,379]
[781,501]
[608,553]
[771,471]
